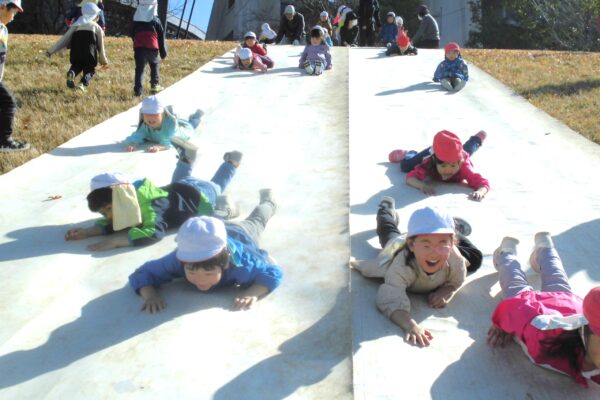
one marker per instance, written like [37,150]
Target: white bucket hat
[428,220]
[245,54]
[152,105]
[200,238]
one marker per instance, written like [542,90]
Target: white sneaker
[542,240]
[186,150]
[309,69]
[508,245]
[319,68]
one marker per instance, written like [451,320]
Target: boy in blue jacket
[211,255]
[453,72]
[389,30]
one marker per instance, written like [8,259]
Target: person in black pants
[387,229]
[428,34]
[368,20]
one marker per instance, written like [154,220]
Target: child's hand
[244,302]
[130,148]
[478,195]
[441,297]
[497,337]
[105,67]
[155,149]
[153,303]
[418,336]
[75,234]
[428,189]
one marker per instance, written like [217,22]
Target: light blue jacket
[171,126]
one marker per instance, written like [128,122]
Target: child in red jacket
[556,328]
[251,43]
[447,160]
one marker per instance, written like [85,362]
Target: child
[85,38]
[267,35]
[8,104]
[75,12]
[449,162]
[148,44]
[158,124]
[429,263]
[339,22]
[211,255]
[325,23]
[556,328]
[257,50]
[349,31]
[316,56]
[453,72]
[149,210]
[402,47]
[389,30]
[244,59]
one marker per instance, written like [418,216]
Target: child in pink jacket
[556,328]
[245,59]
[447,160]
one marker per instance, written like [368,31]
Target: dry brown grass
[566,85]
[50,114]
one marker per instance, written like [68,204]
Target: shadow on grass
[564,89]
[426,86]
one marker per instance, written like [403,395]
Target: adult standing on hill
[291,28]
[368,19]
[428,34]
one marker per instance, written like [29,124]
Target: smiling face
[246,63]
[154,121]
[250,42]
[202,278]
[431,251]
[448,170]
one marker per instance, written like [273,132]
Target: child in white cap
[148,46]
[316,56]
[267,35]
[85,38]
[159,125]
[148,211]
[75,12]
[556,328]
[251,43]
[389,30]
[212,255]
[325,23]
[425,260]
[246,60]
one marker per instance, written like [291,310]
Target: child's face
[352,23]
[316,41]
[323,18]
[452,55]
[202,278]
[250,42]
[106,212]
[247,63]
[448,170]
[154,121]
[6,15]
[431,251]
[391,20]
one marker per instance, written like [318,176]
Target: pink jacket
[466,173]
[257,63]
[516,316]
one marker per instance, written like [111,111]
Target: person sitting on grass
[85,38]
[8,104]
[158,124]
[425,260]
[316,56]
[244,59]
[453,72]
[148,211]
[212,255]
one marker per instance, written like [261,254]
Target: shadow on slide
[578,248]
[428,86]
[104,322]
[87,150]
[300,363]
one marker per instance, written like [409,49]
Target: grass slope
[50,114]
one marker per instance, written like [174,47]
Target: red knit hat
[591,310]
[447,147]
[403,39]
[451,47]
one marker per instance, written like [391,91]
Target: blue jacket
[248,265]
[388,33]
[452,69]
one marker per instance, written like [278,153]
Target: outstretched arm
[249,297]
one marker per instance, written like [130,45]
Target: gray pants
[513,280]
[255,224]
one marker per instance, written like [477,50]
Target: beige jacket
[65,40]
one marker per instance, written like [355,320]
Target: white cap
[289,9]
[15,2]
[250,34]
[152,105]
[245,54]
[200,238]
[90,11]
[399,20]
[107,180]
[428,220]
[324,14]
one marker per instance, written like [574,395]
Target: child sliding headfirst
[556,328]
[159,125]
[447,160]
[257,49]
[212,255]
[453,72]
[425,260]
[316,56]
[85,38]
[245,59]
